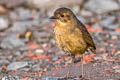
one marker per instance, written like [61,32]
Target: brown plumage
[70,34]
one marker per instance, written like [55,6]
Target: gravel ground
[28,50]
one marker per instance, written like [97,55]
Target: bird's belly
[71,43]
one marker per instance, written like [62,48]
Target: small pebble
[11,41]
[4,23]
[17,65]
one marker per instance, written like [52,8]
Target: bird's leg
[82,66]
[68,73]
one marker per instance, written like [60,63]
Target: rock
[101,6]
[118,71]
[106,21]
[9,77]
[59,78]
[12,3]
[97,58]
[117,53]
[4,62]
[16,53]
[117,68]
[3,23]
[50,78]
[54,58]
[0,69]
[24,14]
[17,65]
[40,36]
[104,56]
[22,26]
[24,48]
[52,3]
[86,13]
[113,26]
[113,33]
[39,51]
[2,9]
[37,67]
[25,69]
[11,41]
[101,35]
[13,15]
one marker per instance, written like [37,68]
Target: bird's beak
[53,17]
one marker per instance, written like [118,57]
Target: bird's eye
[62,15]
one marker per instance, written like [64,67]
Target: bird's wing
[86,35]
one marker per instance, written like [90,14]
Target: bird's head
[63,16]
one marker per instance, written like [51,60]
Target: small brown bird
[70,34]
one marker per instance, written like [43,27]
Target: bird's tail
[93,49]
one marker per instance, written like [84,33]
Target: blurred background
[28,50]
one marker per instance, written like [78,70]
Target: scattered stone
[22,26]
[9,77]
[61,78]
[113,33]
[37,67]
[101,6]
[113,26]
[11,41]
[117,53]
[19,27]
[13,15]
[12,3]
[4,62]
[50,78]
[17,65]
[24,48]
[54,3]
[24,14]
[25,69]
[16,53]
[117,68]
[2,9]
[97,58]
[3,23]
[0,69]
[114,37]
[40,51]
[40,36]
[101,35]
[104,56]
[54,58]
[106,21]
[86,13]
[21,21]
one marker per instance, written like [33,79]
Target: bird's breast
[70,41]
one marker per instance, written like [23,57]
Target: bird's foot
[82,77]
[67,76]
